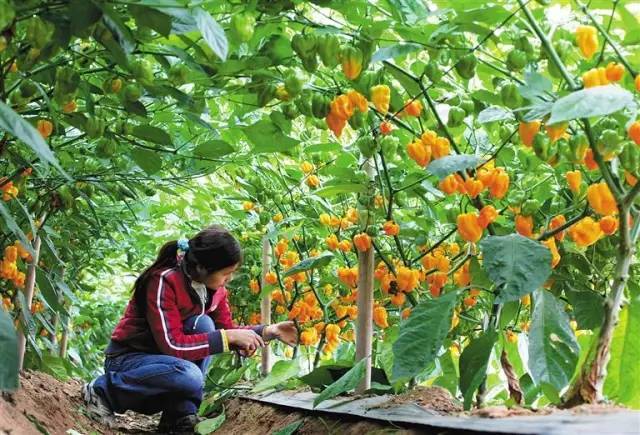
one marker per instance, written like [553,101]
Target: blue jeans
[149,383]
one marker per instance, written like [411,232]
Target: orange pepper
[391,228]
[420,153]
[589,160]
[362,242]
[587,40]
[574,179]
[609,225]
[500,184]
[380,97]
[601,199]
[524,225]
[413,108]
[634,132]
[441,148]
[473,187]
[586,232]
[555,255]
[448,184]
[527,131]
[407,279]
[358,100]
[488,214]
[558,221]
[614,71]
[380,317]
[468,227]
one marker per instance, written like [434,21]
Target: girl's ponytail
[167,258]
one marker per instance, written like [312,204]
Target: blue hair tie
[183,245]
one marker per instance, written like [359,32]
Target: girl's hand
[244,339]
[286,332]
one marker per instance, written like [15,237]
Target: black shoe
[180,425]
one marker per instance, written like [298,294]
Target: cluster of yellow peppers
[9,191]
[496,180]
[429,147]
[471,225]
[350,217]
[342,109]
[9,264]
[603,76]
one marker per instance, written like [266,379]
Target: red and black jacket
[159,328]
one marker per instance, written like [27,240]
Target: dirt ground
[46,405]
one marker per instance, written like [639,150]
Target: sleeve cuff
[259,329]
[216,342]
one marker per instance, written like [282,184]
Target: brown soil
[246,417]
[433,398]
[44,404]
[502,411]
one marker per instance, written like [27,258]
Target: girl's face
[220,277]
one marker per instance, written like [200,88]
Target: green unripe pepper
[610,142]
[530,207]
[456,116]
[542,146]
[389,146]
[367,146]
[328,47]
[578,144]
[510,96]
[242,26]
[320,105]
[293,83]
[466,66]
[630,157]
[516,60]
[433,71]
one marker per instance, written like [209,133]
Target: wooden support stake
[265,305]
[364,326]
[28,293]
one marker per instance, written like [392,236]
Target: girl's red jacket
[170,301]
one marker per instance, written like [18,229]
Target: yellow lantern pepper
[413,108]
[380,97]
[398,299]
[556,131]
[391,228]
[601,199]
[468,227]
[407,279]
[332,242]
[441,148]
[307,167]
[380,317]
[550,243]
[448,184]
[524,225]
[556,222]
[527,131]
[488,214]
[609,225]
[358,101]
[614,72]
[574,180]
[473,187]
[313,181]
[309,337]
[420,153]
[362,242]
[585,232]
[271,278]
[587,39]
[500,184]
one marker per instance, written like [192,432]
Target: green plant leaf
[268,138]
[623,372]
[588,307]
[148,160]
[596,101]
[310,263]
[394,51]
[210,425]
[8,353]
[473,364]
[516,264]
[449,164]
[346,382]
[212,33]
[152,18]
[152,134]
[213,149]
[17,126]
[553,349]
[421,336]
[281,372]
[494,113]
[410,11]
[47,290]
[332,191]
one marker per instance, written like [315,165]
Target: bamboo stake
[265,306]
[28,293]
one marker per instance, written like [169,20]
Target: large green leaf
[347,382]
[210,425]
[152,134]
[553,349]
[337,189]
[422,334]
[596,101]
[516,264]
[394,51]
[48,291]
[268,138]
[494,113]
[449,164]
[623,372]
[212,33]
[588,307]
[152,18]
[17,126]
[409,11]
[148,160]
[281,372]
[213,149]
[310,263]
[473,364]
[289,429]
[8,353]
